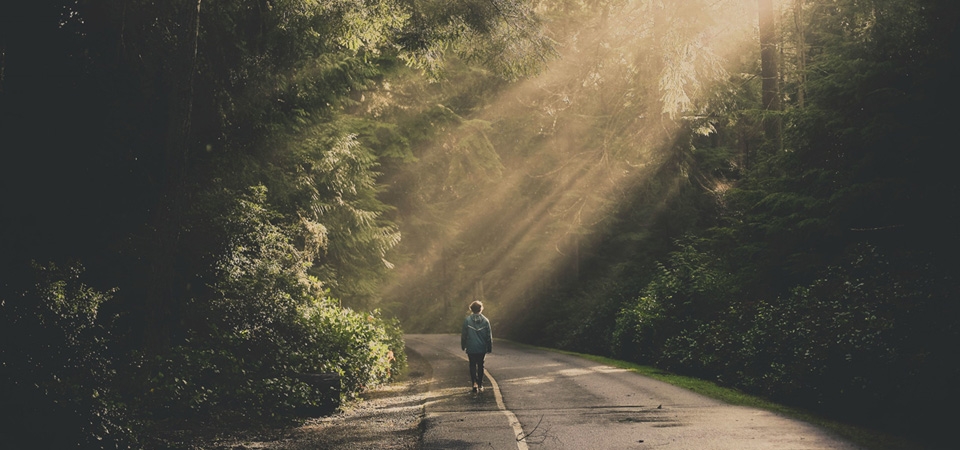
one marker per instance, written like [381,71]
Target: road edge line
[512,418]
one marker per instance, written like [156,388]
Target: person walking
[476,338]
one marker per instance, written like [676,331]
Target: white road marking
[517,429]
[514,422]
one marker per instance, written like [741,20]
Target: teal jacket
[476,336]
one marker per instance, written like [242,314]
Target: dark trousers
[476,367]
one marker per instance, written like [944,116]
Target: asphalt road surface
[537,399]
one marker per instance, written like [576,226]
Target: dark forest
[204,200]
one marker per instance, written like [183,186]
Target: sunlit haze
[628,76]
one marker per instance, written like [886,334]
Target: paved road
[544,400]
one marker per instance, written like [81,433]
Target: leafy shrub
[266,323]
[361,348]
[637,330]
[861,340]
[55,367]
[685,292]
[865,340]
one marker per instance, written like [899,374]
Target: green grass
[864,437]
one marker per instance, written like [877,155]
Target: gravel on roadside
[387,417]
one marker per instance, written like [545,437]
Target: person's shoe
[475,387]
[480,388]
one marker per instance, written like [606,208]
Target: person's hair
[476,307]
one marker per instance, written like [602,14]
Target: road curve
[546,400]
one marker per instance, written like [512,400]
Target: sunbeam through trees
[208,201]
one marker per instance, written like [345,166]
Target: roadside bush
[363,349]
[265,324]
[866,339]
[56,372]
[685,293]
[636,332]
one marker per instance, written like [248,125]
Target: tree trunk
[3,63]
[768,67]
[166,290]
[801,52]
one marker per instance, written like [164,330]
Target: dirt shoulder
[387,417]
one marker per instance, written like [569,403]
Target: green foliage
[249,376]
[55,365]
[170,111]
[523,187]
[505,36]
[859,342]
[810,261]
[364,349]
[241,165]
[266,323]
[692,288]
[329,182]
[834,251]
